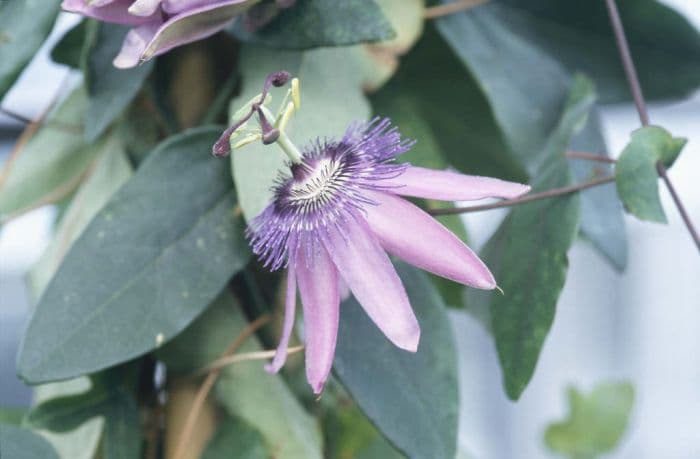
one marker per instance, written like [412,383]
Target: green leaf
[122,434]
[596,422]
[317,23]
[234,439]
[107,398]
[331,99]
[577,36]
[18,443]
[82,442]
[635,171]
[24,26]
[147,265]
[70,49]
[528,254]
[63,414]
[111,89]
[52,163]
[601,212]
[446,112]
[526,86]
[245,389]
[109,172]
[349,433]
[412,398]
[12,416]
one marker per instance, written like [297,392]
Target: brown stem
[524,199]
[679,204]
[638,96]
[16,116]
[451,8]
[589,157]
[209,381]
[245,357]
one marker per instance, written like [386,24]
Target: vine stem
[450,8]
[208,384]
[590,157]
[245,357]
[525,199]
[640,103]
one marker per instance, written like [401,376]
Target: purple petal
[178,6]
[134,44]
[290,302]
[318,286]
[452,186]
[409,233]
[366,269]
[116,11]
[194,24]
[144,7]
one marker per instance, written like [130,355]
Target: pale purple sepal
[290,302]
[408,232]
[318,287]
[178,6]
[368,272]
[134,44]
[193,25]
[116,11]
[420,182]
[144,7]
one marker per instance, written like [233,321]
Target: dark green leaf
[411,398]
[24,25]
[147,265]
[596,422]
[317,23]
[71,47]
[331,98]
[107,173]
[122,434]
[601,212]
[52,163]
[528,254]
[446,112]
[234,439]
[526,88]
[62,414]
[349,434]
[578,36]
[82,442]
[245,389]
[107,398]
[635,171]
[111,89]
[18,443]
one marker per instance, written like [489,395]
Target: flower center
[318,185]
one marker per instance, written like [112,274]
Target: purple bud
[270,136]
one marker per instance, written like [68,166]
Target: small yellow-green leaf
[636,175]
[596,421]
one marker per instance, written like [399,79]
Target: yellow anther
[286,116]
[296,94]
[250,138]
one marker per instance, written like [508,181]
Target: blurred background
[641,326]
